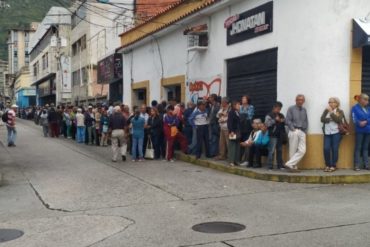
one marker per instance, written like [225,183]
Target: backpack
[4,117]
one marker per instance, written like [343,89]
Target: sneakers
[141,160]
[244,164]
[123,158]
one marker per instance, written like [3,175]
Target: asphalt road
[64,194]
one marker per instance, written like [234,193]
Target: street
[64,194]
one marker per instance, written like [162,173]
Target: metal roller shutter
[366,70]
[254,75]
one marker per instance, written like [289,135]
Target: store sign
[29,92]
[110,69]
[67,75]
[250,24]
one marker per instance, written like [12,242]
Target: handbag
[174,131]
[149,152]
[343,127]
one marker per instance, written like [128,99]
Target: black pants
[256,151]
[157,146]
[202,137]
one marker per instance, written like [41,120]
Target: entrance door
[139,97]
[254,75]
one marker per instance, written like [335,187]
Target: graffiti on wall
[200,89]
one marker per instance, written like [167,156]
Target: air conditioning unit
[197,38]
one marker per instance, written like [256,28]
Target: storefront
[46,90]
[269,50]
[26,97]
[110,72]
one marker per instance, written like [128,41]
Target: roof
[55,16]
[164,19]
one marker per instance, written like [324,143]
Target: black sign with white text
[250,24]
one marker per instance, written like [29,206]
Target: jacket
[276,129]
[335,117]
[233,121]
[262,139]
[358,115]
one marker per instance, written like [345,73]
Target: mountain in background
[20,14]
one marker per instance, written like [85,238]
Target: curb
[284,178]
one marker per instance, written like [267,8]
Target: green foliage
[20,14]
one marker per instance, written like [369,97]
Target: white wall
[314,47]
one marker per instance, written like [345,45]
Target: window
[78,16]
[15,54]
[15,36]
[26,37]
[36,69]
[83,42]
[45,61]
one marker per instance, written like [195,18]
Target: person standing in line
[144,114]
[97,113]
[10,126]
[233,126]
[53,119]
[188,129]
[104,128]
[172,133]
[214,127]
[155,125]
[73,122]
[297,122]
[331,118]
[361,119]
[117,126]
[246,116]
[222,116]
[275,122]
[80,123]
[138,125]
[43,120]
[200,121]
[90,125]
[68,123]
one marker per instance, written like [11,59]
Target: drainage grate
[9,234]
[218,227]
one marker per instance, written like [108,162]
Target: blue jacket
[262,139]
[138,127]
[358,115]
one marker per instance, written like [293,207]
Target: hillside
[20,14]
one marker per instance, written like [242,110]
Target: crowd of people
[214,127]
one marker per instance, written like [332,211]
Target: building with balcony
[50,58]
[94,38]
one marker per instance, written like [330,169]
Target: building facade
[50,57]
[3,71]
[25,94]
[95,36]
[269,50]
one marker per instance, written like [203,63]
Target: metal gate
[254,75]
[366,70]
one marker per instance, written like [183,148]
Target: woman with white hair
[80,123]
[332,118]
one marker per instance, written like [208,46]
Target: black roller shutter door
[366,70]
[254,75]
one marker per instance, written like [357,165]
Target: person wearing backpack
[10,125]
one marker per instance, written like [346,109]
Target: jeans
[202,137]
[45,130]
[362,148]
[214,137]
[275,145]
[193,145]
[255,153]
[80,136]
[12,135]
[331,149]
[137,145]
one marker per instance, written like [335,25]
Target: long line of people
[215,127]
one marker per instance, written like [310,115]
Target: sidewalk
[305,176]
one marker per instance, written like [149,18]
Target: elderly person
[361,119]
[117,126]
[10,125]
[297,122]
[80,124]
[222,116]
[233,126]
[331,118]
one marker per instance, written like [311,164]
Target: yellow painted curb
[286,178]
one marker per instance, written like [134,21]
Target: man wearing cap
[10,125]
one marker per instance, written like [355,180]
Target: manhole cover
[218,227]
[9,234]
